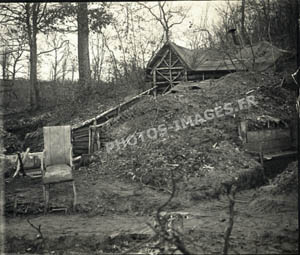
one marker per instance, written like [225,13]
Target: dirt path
[263,224]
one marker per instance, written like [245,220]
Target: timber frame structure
[173,64]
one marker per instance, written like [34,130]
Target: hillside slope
[208,154]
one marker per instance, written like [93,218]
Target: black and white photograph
[149,127]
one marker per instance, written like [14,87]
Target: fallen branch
[230,195]
[38,229]
[39,236]
[139,246]
[172,237]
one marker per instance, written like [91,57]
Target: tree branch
[56,48]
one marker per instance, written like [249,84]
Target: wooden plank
[163,76]
[79,151]
[81,144]
[177,76]
[92,133]
[78,137]
[173,68]
[85,139]
[84,135]
[86,123]
[185,75]
[275,145]
[165,62]
[98,141]
[89,141]
[166,82]
[154,78]
[265,135]
[173,65]
[280,154]
[82,131]
[82,147]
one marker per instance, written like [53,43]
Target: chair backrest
[57,143]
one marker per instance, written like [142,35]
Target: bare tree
[64,67]
[167,16]
[5,59]
[83,44]
[13,43]
[31,19]
[74,67]
[98,52]
[197,34]
[59,47]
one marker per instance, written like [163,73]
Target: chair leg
[45,198]
[75,196]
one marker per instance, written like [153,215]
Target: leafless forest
[165,127]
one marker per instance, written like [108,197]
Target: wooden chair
[56,163]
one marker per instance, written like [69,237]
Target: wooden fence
[86,137]
[268,143]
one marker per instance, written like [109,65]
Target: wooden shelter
[174,63]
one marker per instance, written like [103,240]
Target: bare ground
[113,214]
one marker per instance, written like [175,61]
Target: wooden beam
[177,76]
[86,124]
[163,57]
[154,78]
[165,82]
[175,63]
[173,68]
[163,76]
[166,63]
[181,60]
[90,140]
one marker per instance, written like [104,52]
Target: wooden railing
[87,135]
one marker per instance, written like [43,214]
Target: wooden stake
[21,162]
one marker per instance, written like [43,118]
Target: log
[76,136]
[83,130]
[78,144]
[85,140]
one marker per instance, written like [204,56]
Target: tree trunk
[32,16]
[35,95]
[244,36]
[83,45]
[4,64]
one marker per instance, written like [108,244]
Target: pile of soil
[287,181]
[210,153]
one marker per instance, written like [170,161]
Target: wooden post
[21,162]
[154,82]
[94,135]
[98,139]
[261,156]
[90,139]
[170,69]
[185,75]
